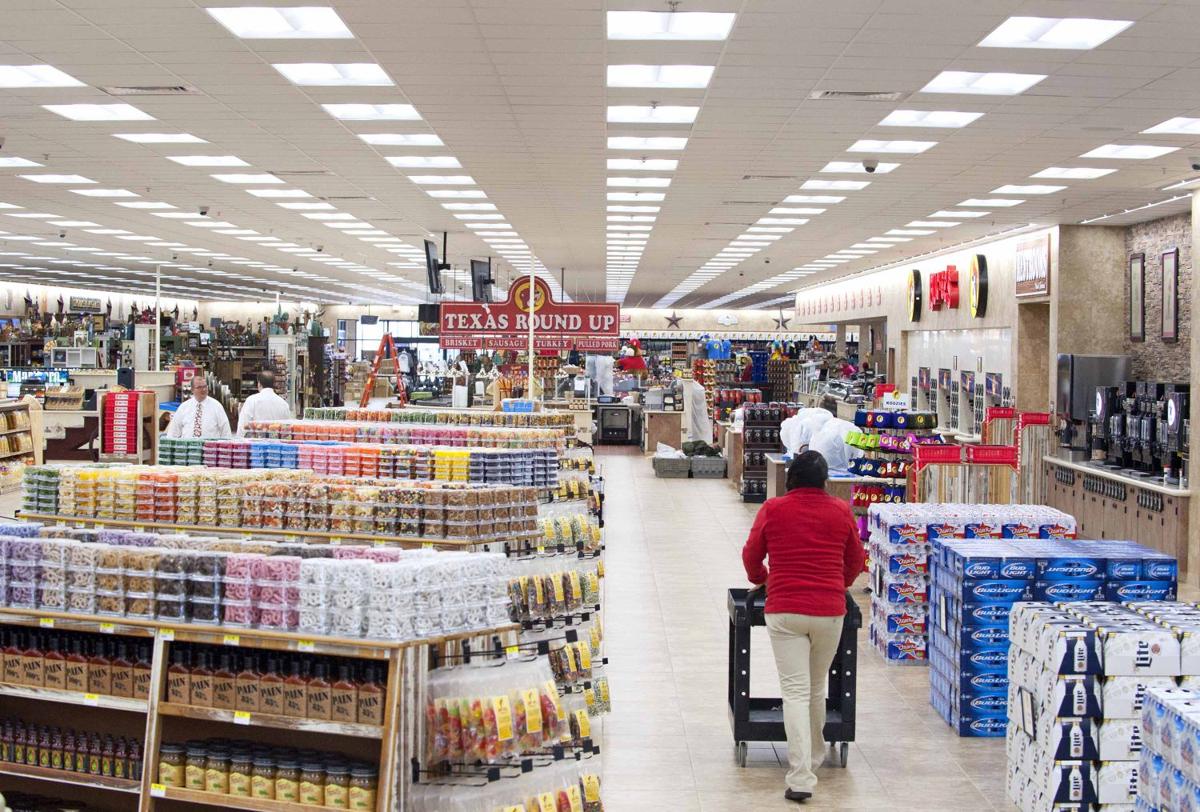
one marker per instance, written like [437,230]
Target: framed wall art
[1137,297]
[1170,295]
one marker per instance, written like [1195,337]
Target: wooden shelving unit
[72,698]
[85,780]
[271,720]
[251,804]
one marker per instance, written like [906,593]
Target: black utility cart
[760,719]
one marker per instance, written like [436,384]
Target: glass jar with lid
[216,773]
[262,778]
[337,786]
[312,783]
[171,762]
[196,755]
[241,767]
[287,780]
[364,781]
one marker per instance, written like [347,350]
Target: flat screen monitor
[481,280]
[433,268]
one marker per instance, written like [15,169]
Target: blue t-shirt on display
[726,350]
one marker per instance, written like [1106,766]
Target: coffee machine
[1109,404]
[1150,402]
[1173,433]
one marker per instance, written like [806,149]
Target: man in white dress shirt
[199,415]
[263,404]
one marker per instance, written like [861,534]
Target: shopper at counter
[200,415]
[812,543]
[264,404]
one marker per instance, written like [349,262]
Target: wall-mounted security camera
[870,164]
[320,249]
[174,257]
[210,263]
[204,211]
[1195,159]
[62,235]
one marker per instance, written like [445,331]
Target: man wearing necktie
[199,416]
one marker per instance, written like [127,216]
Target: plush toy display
[631,358]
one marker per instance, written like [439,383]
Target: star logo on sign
[781,322]
[673,319]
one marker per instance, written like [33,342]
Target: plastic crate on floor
[708,467]
[671,468]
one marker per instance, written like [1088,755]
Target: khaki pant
[804,648]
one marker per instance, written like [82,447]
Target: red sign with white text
[505,325]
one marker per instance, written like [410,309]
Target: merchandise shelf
[272,720]
[317,535]
[85,780]
[73,697]
[231,801]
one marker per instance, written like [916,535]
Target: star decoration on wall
[781,322]
[673,319]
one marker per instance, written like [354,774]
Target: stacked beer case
[900,538]
[976,583]
[1168,771]
[1079,677]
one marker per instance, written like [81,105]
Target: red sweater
[815,552]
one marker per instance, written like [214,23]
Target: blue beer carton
[1070,568]
[1122,591]
[1068,591]
[996,591]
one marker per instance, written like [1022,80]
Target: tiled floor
[673,549]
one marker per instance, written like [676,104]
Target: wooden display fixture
[28,414]
[395,742]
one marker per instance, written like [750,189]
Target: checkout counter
[74,434]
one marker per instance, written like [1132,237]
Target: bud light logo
[1140,591]
[1123,570]
[989,681]
[989,659]
[907,534]
[1064,568]
[1070,591]
[1161,569]
[989,636]
[998,590]
[989,727]
[1016,569]
[979,569]
[990,613]
[989,704]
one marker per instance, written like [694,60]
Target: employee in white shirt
[263,405]
[200,415]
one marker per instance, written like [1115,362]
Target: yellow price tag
[306,645]
[248,534]
[541,548]
[232,640]
[139,528]
[46,622]
[158,790]
[108,628]
[91,699]
[166,634]
[428,545]
[241,717]
[512,651]
[335,540]
[81,524]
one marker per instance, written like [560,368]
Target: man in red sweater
[815,555]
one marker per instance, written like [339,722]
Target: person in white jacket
[263,404]
[199,415]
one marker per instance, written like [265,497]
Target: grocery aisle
[673,549]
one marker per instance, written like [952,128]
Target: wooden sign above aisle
[505,325]
[1033,266]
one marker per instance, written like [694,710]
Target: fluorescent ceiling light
[1073,172]
[372,112]
[891,147]
[647,114]
[146,204]
[795,210]
[669,25]
[104,192]
[74,224]
[628,227]
[634,208]
[643,164]
[278,193]
[425,161]
[909,232]
[13,162]
[959,213]
[334,215]
[457,180]
[304,22]
[480,217]
[889,239]
[836,185]
[107,232]
[306,206]
[174,215]
[770,230]
[982,84]
[928,118]
[459,193]
[813,199]
[14,76]
[248,177]
[863,245]
[160,138]
[652,142]
[1175,126]
[1032,189]
[57,178]
[660,76]
[326,74]
[782,221]
[1129,151]
[99,112]
[658,183]
[654,197]
[933,224]
[469,206]
[1075,33]
[207,160]
[856,167]
[402,139]
[992,202]
[630,218]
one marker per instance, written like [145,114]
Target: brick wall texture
[1153,359]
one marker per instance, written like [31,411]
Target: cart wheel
[739,753]
[844,752]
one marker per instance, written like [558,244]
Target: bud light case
[1068,591]
[1071,568]
[1123,591]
